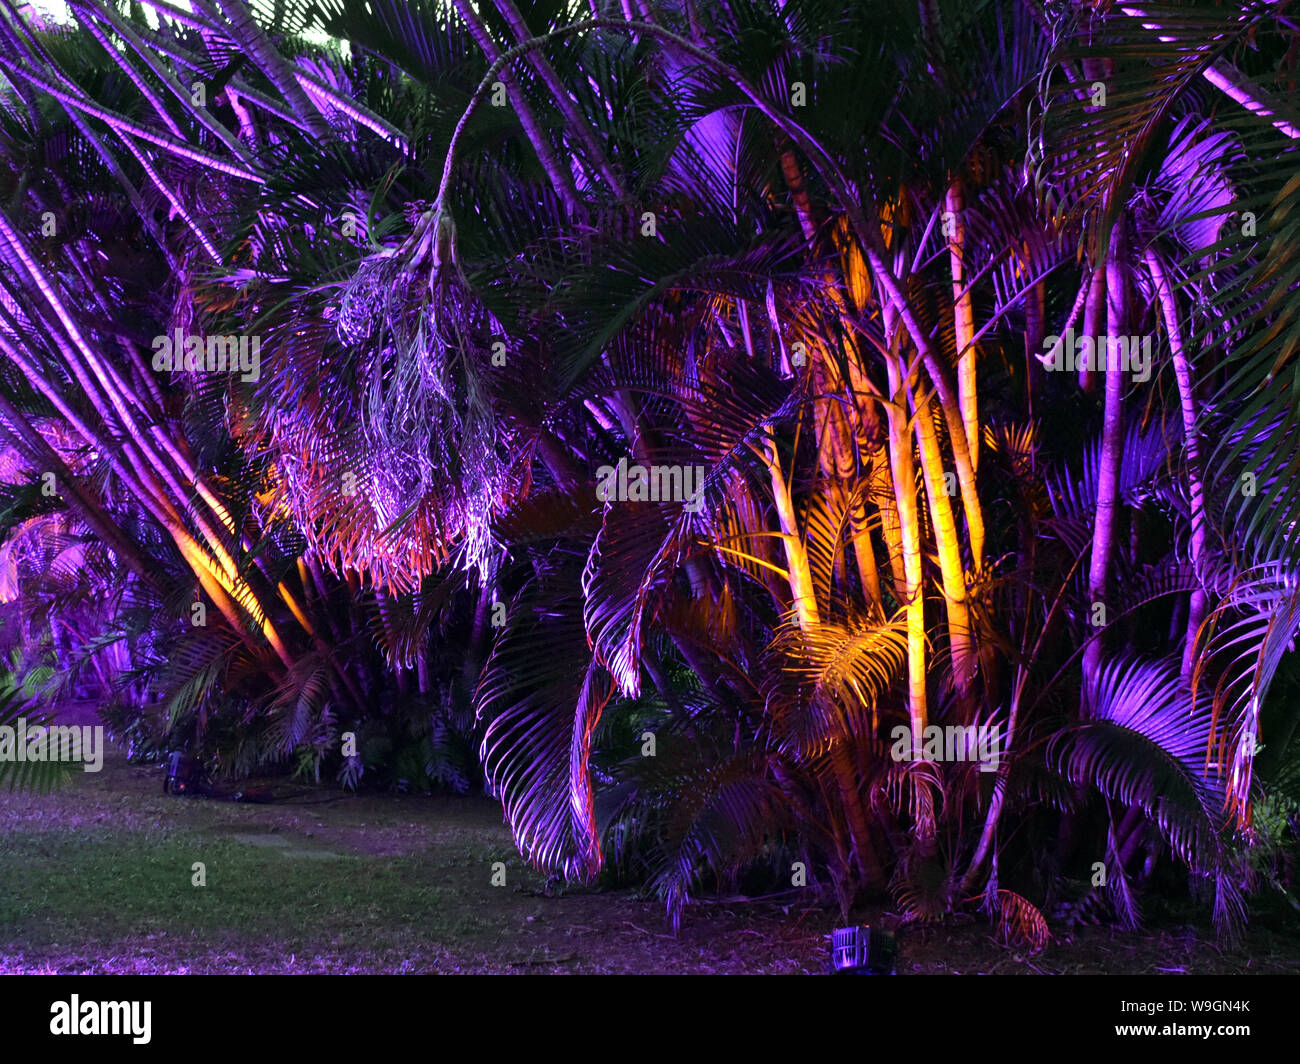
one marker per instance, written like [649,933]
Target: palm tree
[799,245]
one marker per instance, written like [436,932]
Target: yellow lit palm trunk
[864,399]
[904,481]
[837,451]
[948,545]
[808,616]
[796,556]
[865,555]
[892,298]
[891,525]
[880,490]
[964,324]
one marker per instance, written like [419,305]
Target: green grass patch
[67,888]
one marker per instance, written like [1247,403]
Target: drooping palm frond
[300,708]
[1146,743]
[1241,274]
[540,696]
[1246,639]
[1089,151]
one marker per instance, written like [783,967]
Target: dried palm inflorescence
[427,412]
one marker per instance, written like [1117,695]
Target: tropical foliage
[831,255]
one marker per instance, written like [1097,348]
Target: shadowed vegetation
[843,261]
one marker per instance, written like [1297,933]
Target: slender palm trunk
[948,545]
[865,399]
[796,554]
[1094,313]
[561,176]
[964,324]
[893,298]
[798,191]
[891,524]
[1196,485]
[575,123]
[808,616]
[840,461]
[243,29]
[1112,442]
[864,554]
[903,470]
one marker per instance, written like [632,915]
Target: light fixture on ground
[863,951]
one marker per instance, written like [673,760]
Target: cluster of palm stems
[831,253]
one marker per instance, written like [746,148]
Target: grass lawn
[96,877]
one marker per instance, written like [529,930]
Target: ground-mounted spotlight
[863,951]
[186,776]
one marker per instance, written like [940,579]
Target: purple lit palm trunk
[1112,446]
[1196,485]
